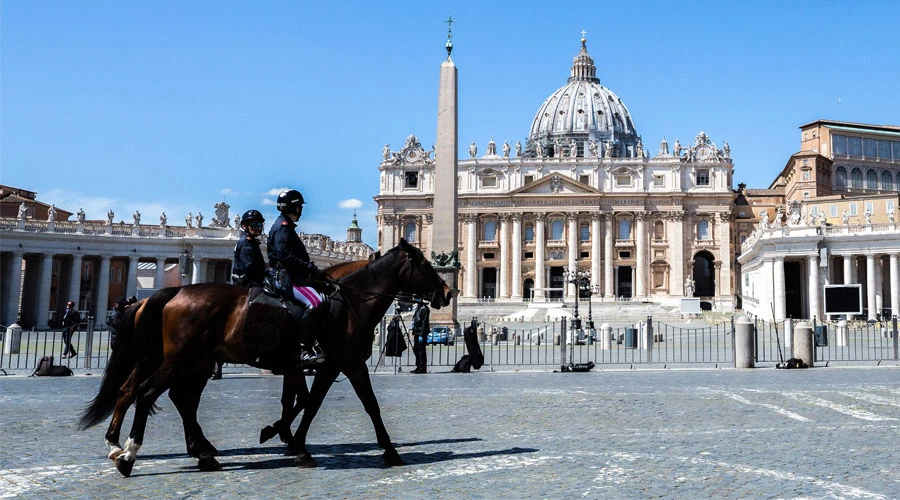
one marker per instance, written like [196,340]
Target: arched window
[529,232]
[409,232]
[556,230]
[703,230]
[887,182]
[856,178]
[841,176]
[624,229]
[490,230]
[659,230]
[871,179]
[585,232]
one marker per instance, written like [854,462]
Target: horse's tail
[125,357]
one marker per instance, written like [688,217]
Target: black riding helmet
[252,216]
[289,200]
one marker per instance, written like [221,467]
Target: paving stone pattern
[764,433]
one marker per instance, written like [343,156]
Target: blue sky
[175,106]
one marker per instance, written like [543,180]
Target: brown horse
[177,336]
[294,389]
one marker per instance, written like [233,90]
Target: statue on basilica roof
[506,149]
[473,150]
[663,148]
[518,149]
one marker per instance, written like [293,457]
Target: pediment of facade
[555,184]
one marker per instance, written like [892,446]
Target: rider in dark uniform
[249,268]
[288,256]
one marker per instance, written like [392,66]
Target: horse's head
[422,278]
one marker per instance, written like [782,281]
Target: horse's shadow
[345,456]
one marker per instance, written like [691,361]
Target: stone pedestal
[804,343]
[743,343]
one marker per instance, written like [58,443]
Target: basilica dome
[583,110]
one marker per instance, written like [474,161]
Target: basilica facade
[582,193]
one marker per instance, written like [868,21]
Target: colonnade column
[895,285]
[848,272]
[870,286]
[539,244]
[131,281]
[504,256]
[641,243]
[608,292]
[471,247]
[200,266]
[13,295]
[103,289]
[879,284]
[572,218]
[517,256]
[595,250]
[75,280]
[160,273]
[813,266]
[778,286]
[43,303]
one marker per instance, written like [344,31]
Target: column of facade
[641,244]
[13,295]
[504,257]
[608,292]
[848,271]
[572,218]
[724,287]
[778,287]
[539,245]
[471,253]
[103,289]
[131,280]
[595,249]
[160,278]
[870,286]
[74,292]
[43,304]
[813,266]
[517,256]
[676,243]
[895,285]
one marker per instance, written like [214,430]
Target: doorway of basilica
[704,275]
[489,282]
[623,281]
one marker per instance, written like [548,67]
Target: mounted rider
[249,267]
[298,276]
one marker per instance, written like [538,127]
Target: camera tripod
[399,319]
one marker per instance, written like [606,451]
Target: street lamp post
[581,280]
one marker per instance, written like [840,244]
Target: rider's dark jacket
[288,252]
[249,268]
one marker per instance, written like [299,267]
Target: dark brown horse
[176,338]
[294,390]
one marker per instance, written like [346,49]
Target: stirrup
[309,357]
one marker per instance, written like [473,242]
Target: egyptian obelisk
[444,231]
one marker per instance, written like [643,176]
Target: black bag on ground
[463,365]
[45,368]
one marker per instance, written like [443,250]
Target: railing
[858,341]
[26,352]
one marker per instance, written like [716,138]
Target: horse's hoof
[305,461]
[124,466]
[116,453]
[266,434]
[208,464]
[392,458]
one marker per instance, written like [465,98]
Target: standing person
[298,275]
[114,321]
[420,328]
[249,268]
[70,321]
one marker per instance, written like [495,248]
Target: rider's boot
[308,353]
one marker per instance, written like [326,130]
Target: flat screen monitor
[843,299]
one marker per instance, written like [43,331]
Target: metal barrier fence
[544,346]
[23,350]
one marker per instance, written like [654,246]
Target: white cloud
[276,191]
[351,203]
[268,201]
[226,192]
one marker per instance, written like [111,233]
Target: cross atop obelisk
[449,44]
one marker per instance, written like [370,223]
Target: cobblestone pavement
[763,433]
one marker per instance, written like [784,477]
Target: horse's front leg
[293,397]
[359,377]
[325,377]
